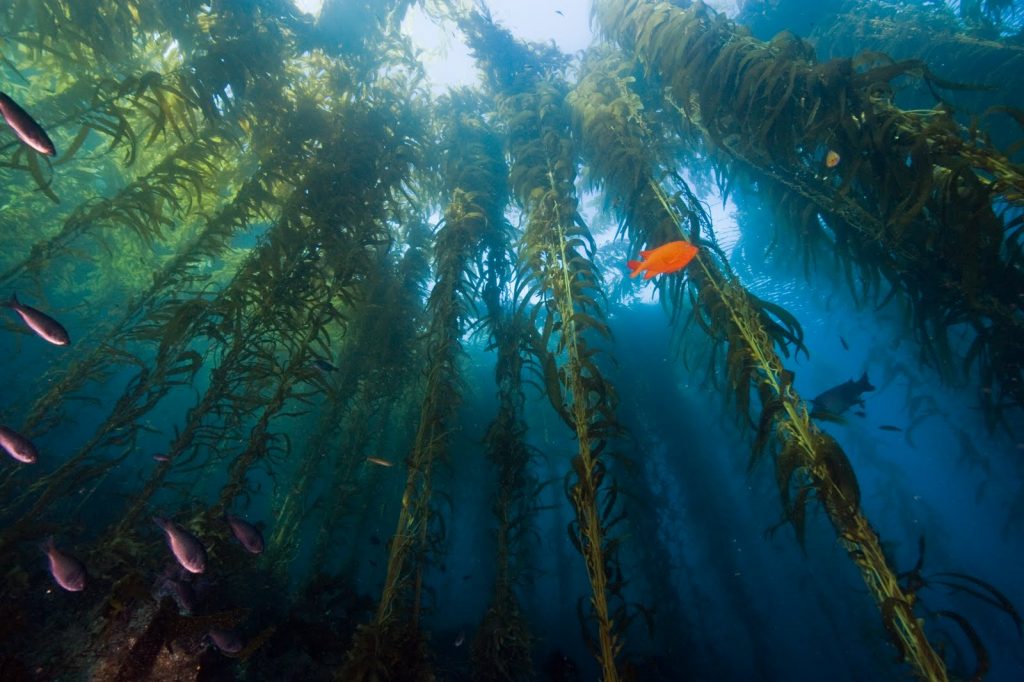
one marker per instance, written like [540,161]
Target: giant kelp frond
[473,172]
[915,188]
[501,647]
[749,329]
[556,266]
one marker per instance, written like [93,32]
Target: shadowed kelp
[393,645]
[555,254]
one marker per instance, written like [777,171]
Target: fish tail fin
[635,267]
[865,382]
[47,545]
[691,253]
[161,521]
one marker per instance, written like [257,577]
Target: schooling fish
[67,571]
[187,548]
[668,257]
[246,533]
[25,127]
[39,322]
[839,399]
[17,446]
[380,462]
[890,427]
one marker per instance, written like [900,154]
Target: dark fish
[246,533]
[846,346]
[889,427]
[67,571]
[838,399]
[187,548]
[39,322]
[860,413]
[559,13]
[25,127]
[325,366]
[17,446]
[227,641]
[182,593]
[467,576]
[374,540]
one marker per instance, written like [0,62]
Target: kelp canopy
[291,272]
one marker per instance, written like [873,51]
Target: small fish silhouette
[25,127]
[42,324]
[838,399]
[67,571]
[17,446]
[187,548]
[247,534]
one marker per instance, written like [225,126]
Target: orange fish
[831,159]
[666,258]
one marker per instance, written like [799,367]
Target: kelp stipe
[473,172]
[611,122]
[555,264]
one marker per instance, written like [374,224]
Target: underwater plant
[555,264]
[472,169]
[622,153]
[279,255]
[917,188]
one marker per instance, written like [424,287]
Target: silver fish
[25,127]
[67,571]
[246,533]
[187,548]
[17,446]
[227,641]
[42,324]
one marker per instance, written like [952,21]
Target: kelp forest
[316,371]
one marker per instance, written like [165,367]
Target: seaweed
[918,187]
[751,331]
[555,264]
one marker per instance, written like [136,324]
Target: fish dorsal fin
[645,254]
